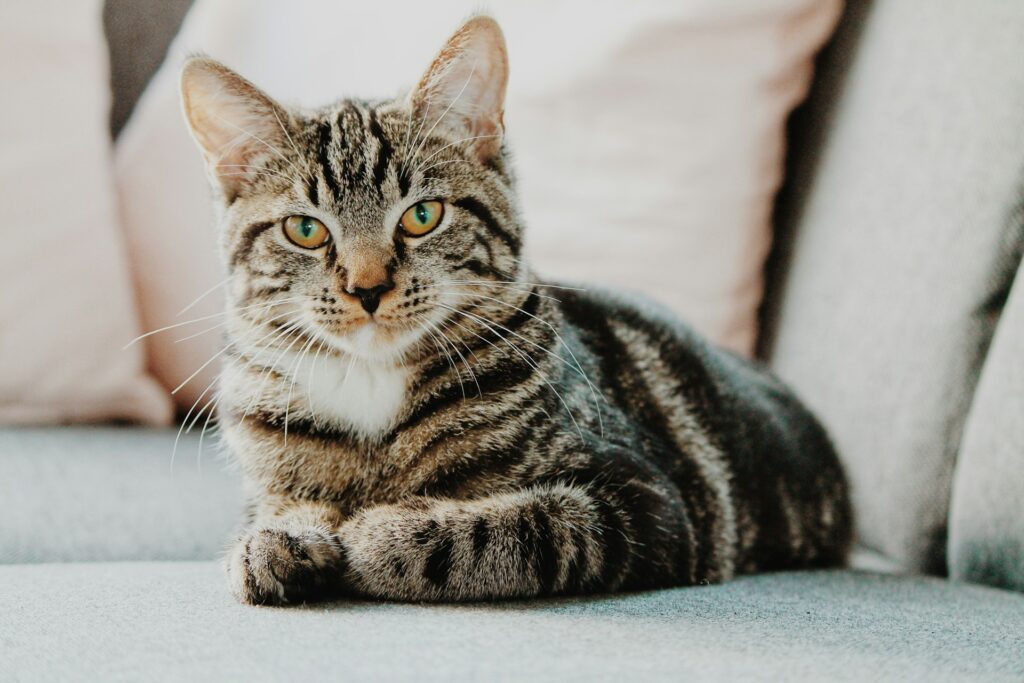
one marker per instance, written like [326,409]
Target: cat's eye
[306,232]
[421,218]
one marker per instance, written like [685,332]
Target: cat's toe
[274,567]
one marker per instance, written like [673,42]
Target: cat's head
[361,224]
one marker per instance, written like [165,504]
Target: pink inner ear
[463,91]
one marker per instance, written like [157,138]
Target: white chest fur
[356,393]
[346,392]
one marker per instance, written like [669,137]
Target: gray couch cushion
[986,525]
[907,232]
[107,493]
[176,621]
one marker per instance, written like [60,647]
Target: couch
[893,308]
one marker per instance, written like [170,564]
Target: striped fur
[482,434]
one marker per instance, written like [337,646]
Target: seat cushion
[176,621]
[108,493]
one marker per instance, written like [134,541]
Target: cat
[418,417]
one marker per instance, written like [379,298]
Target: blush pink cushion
[648,141]
[66,302]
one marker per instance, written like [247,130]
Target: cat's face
[361,225]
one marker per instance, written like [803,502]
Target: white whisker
[205,294]
[445,112]
[207,317]
[577,368]
[269,146]
[530,361]
[291,385]
[451,144]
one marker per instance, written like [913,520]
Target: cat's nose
[368,279]
[369,297]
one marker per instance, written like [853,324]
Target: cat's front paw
[274,566]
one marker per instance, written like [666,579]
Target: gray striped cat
[419,418]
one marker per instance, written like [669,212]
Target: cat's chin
[375,342]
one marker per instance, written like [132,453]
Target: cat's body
[419,418]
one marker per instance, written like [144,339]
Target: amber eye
[419,219]
[306,232]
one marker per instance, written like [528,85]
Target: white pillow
[66,304]
[648,140]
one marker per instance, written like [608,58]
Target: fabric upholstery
[176,621]
[906,235]
[649,146]
[107,493]
[66,302]
[986,528]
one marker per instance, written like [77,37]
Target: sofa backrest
[899,233]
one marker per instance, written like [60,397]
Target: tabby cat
[418,418]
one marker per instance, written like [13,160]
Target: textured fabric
[66,306]
[648,146]
[92,493]
[906,235]
[986,534]
[176,621]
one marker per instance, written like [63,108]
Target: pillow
[648,142]
[66,307]
[907,223]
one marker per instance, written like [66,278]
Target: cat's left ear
[463,91]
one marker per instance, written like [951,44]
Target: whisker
[515,282]
[205,294]
[443,287]
[207,317]
[447,161]
[291,385]
[443,349]
[269,146]
[309,384]
[285,334]
[177,438]
[202,434]
[252,168]
[407,156]
[451,144]
[561,341]
[286,133]
[441,329]
[532,363]
[184,421]
[200,369]
[445,112]
[222,323]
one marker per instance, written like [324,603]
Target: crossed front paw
[275,567]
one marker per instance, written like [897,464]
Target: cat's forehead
[356,124]
[352,155]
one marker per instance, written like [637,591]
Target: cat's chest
[353,394]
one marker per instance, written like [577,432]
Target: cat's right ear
[232,121]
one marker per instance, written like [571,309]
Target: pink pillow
[66,305]
[648,142]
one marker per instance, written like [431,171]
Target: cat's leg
[288,553]
[543,540]
[554,539]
